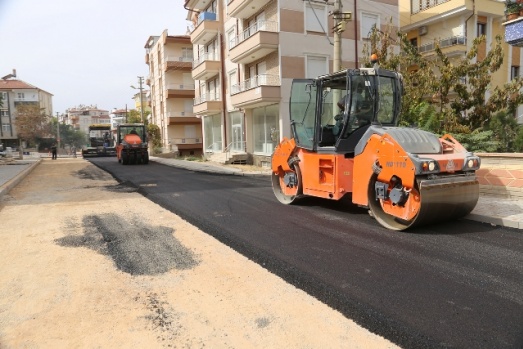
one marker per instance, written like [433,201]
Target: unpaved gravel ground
[86,262]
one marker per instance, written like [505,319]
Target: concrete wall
[501,174]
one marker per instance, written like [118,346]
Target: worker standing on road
[53,151]
[73,150]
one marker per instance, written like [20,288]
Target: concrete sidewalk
[490,209]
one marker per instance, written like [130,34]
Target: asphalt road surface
[457,284]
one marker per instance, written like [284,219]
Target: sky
[86,52]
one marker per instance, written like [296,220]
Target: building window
[213,133]
[265,129]
[482,29]
[6,128]
[233,82]
[231,39]
[316,66]
[315,18]
[20,96]
[414,43]
[187,55]
[368,22]
[514,72]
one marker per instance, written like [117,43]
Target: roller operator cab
[131,144]
[345,140]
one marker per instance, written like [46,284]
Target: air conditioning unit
[423,30]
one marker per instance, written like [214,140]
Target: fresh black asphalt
[457,284]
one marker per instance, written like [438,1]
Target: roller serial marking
[395,164]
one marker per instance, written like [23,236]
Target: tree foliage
[31,123]
[136,117]
[445,95]
[154,136]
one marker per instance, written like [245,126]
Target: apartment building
[80,117]
[141,100]
[454,24]
[246,54]
[14,93]
[172,93]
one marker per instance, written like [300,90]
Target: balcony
[451,47]
[180,90]
[177,63]
[258,91]
[514,32]
[182,117]
[206,30]
[255,42]
[207,104]
[244,8]
[206,66]
[197,4]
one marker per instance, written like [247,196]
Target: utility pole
[340,21]
[140,80]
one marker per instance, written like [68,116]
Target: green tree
[31,123]
[397,53]
[434,80]
[69,135]
[504,130]
[518,141]
[155,137]
[136,117]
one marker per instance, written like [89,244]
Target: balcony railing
[209,56]
[253,29]
[258,80]
[179,59]
[422,5]
[180,114]
[186,140]
[448,42]
[180,86]
[206,16]
[215,96]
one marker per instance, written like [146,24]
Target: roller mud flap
[446,199]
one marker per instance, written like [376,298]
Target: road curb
[6,188]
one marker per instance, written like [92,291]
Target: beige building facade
[246,54]
[172,93]
[14,93]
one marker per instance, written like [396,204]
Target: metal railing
[177,114]
[422,5]
[179,59]
[228,148]
[186,140]
[208,56]
[180,86]
[259,26]
[206,98]
[214,146]
[448,42]
[256,81]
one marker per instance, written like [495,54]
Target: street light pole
[140,79]
[57,131]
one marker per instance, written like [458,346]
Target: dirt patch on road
[87,265]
